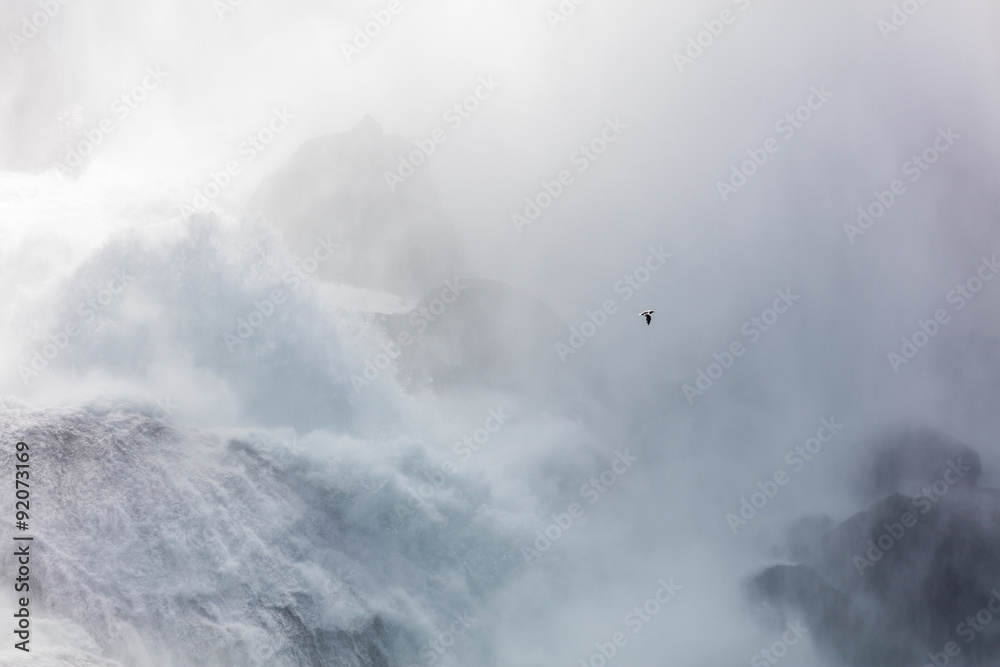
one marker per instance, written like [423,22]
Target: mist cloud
[267,269]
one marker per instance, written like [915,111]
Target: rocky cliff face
[462,331]
[396,240]
[913,576]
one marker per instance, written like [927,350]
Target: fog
[327,349]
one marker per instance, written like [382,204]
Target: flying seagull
[648,314]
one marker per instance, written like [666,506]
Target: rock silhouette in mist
[901,579]
[395,240]
[910,459]
[493,335]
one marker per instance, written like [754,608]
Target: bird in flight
[648,314]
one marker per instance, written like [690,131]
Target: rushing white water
[170,534]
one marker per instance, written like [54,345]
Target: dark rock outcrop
[903,578]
